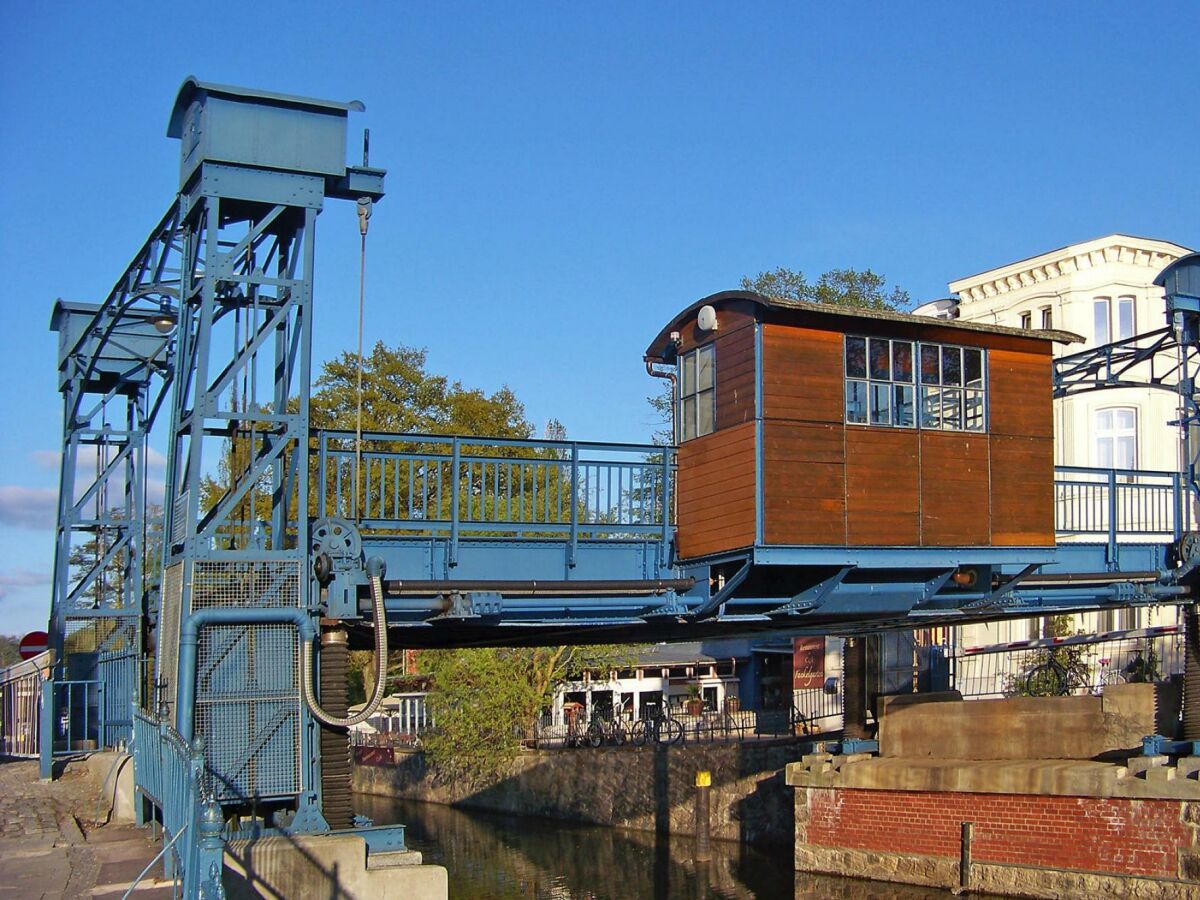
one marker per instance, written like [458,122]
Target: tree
[485,700]
[400,395]
[837,287]
[9,654]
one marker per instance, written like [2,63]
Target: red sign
[808,663]
[33,643]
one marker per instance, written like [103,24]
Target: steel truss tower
[255,169]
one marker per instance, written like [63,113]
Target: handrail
[171,774]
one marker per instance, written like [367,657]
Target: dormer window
[697,408]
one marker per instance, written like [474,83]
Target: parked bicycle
[605,731]
[659,728]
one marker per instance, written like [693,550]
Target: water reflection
[500,857]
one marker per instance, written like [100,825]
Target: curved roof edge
[1181,276]
[192,85]
[853,312]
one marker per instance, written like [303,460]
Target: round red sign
[33,643]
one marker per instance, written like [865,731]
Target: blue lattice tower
[255,169]
[114,366]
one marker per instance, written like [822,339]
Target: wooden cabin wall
[830,483]
[716,476]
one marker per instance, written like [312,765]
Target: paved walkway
[51,846]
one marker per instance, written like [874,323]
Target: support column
[335,742]
[1191,672]
[854,688]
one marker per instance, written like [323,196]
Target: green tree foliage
[9,655]
[485,700]
[837,287]
[401,395]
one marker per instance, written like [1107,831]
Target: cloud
[46,459]
[18,578]
[27,507]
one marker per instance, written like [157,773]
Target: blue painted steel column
[760,486]
[574,541]
[46,731]
[455,489]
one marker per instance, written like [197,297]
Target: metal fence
[20,706]
[711,726]
[452,486]
[1090,662]
[172,777]
[1119,503]
[405,718]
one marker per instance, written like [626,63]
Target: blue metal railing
[456,486]
[171,775]
[1119,502]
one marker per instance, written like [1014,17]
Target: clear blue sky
[563,178]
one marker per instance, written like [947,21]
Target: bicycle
[661,729]
[1049,678]
[602,731]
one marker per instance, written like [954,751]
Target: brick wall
[1123,836]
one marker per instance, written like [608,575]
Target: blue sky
[563,178]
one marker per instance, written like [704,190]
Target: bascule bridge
[837,471]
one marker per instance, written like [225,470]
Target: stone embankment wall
[647,788]
[1087,820]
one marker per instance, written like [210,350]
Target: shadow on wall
[649,789]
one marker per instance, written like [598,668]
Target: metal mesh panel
[168,638]
[248,709]
[247,680]
[262,584]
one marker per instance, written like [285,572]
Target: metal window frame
[916,384]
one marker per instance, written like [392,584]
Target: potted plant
[695,706]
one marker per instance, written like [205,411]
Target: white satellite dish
[706,319]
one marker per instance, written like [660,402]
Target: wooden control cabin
[805,425]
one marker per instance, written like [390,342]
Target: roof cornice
[1150,253]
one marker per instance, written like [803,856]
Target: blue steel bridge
[244,618]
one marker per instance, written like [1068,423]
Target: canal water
[492,856]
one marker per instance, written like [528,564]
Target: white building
[1102,290]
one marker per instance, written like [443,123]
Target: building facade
[1102,290]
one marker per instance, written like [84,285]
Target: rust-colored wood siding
[829,483]
[716,477]
[716,492]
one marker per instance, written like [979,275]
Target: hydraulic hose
[381,653]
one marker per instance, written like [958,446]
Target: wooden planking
[731,316]
[716,486]
[955,489]
[735,378]
[1022,491]
[802,374]
[804,477]
[1019,394]
[883,487]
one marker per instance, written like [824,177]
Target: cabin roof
[659,347]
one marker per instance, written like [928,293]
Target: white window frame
[1101,320]
[1027,320]
[1047,318]
[1124,304]
[871,400]
[1112,434]
[691,389]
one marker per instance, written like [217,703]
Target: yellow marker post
[703,786]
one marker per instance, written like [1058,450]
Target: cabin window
[887,380]
[697,393]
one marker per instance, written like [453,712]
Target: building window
[882,384]
[1047,318]
[1125,318]
[697,393]
[1116,438]
[1027,320]
[1100,329]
